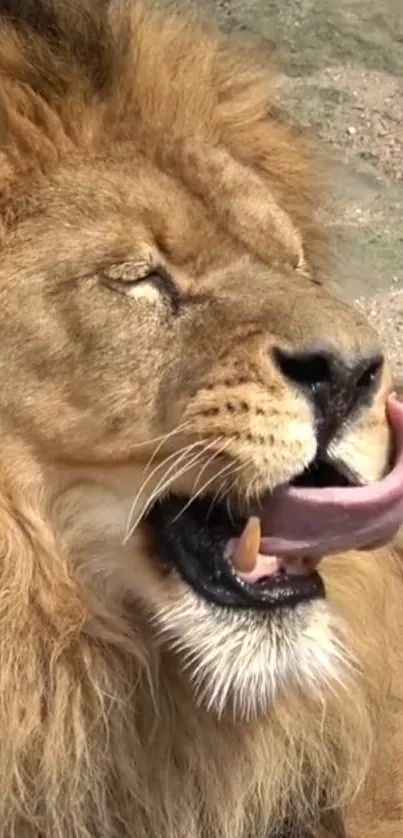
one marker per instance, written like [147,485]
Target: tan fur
[131,142]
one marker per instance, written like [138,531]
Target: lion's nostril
[334,385]
[369,377]
[310,370]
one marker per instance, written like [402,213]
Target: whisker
[229,511]
[203,488]
[166,480]
[198,456]
[173,474]
[163,437]
[177,430]
[177,456]
[210,460]
[227,488]
[251,491]
[161,488]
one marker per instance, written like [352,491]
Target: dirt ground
[342,63]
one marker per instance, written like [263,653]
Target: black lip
[322,472]
[193,541]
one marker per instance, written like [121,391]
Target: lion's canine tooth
[245,554]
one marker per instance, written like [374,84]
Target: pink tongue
[303,522]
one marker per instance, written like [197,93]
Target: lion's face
[148,357]
[174,363]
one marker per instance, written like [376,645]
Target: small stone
[351,130]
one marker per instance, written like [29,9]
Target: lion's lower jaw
[246,661]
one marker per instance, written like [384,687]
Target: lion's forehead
[96,215]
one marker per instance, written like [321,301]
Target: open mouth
[197,542]
[270,558]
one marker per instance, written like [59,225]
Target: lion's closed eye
[138,278]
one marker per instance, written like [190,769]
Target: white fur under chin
[248,660]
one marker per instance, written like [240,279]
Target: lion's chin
[244,662]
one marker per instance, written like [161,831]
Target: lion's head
[171,363]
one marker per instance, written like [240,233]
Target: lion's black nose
[335,386]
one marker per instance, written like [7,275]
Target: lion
[201,469]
